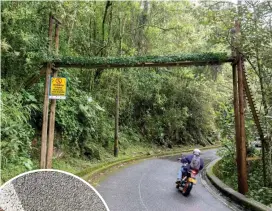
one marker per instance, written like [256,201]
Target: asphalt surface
[49,190]
[150,186]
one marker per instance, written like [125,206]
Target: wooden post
[116,121]
[241,154]
[57,38]
[50,148]
[46,101]
[235,90]
[50,32]
[117,107]
[236,107]
[239,115]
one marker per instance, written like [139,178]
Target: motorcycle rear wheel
[187,189]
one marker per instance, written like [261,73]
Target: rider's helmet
[196,152]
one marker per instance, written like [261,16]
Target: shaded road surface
[150,186]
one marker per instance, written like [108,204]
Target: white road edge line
[139,190]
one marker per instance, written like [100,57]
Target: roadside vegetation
[225,170]
[161,108]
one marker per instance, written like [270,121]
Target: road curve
[150,186]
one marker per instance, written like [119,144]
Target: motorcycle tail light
[193,173]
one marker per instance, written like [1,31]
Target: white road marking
[139,190]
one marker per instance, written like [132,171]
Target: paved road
[150,186]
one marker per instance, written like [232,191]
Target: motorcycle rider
[194,162]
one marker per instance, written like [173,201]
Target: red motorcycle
[187,181]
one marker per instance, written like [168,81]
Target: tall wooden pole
[116,121]
[50,32]
[238,102]
[240,134]
[117,106]
[46,101]
[51,132]
[241,154]
[235,91]
[236,107]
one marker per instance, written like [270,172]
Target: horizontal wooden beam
[253,158]
[154,64]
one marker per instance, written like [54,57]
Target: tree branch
[154,26]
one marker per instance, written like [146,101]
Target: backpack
[195,163]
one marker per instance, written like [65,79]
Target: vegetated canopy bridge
[53,62]
[181,60]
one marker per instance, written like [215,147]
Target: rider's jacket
[188,159]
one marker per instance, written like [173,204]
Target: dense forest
[161,107]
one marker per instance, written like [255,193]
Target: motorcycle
[187,181]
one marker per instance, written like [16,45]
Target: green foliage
[80,120]
[226,170]
[164,108]
[263,194]
[254,42]
[225,120]
[255,181]
[16,133]
[13,169]
[88,62]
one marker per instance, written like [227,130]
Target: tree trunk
[143,19]
[71,28]
[268,160]
[261,76]
[108,4]
[102,50]
[94,23]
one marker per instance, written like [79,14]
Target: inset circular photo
[49,190]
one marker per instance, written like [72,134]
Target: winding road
[150,186]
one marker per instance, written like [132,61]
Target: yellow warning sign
[57,88]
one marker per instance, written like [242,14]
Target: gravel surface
[9,199]
[54,191]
